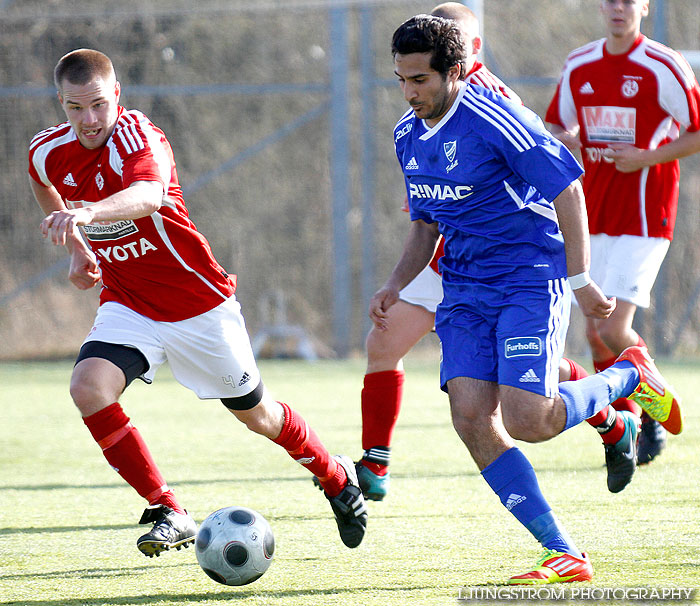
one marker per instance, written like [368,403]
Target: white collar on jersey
[429,132]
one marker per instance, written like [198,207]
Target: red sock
[577,371]
[625,404]
[609,424]
[381,402]
[621,403]
[127,453]
[305,447]
[598,418]
[613,435]
[600,365]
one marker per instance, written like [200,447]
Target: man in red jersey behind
[630,105]
[413,315]
[109,173]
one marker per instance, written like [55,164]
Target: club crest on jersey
[630,88]
[450,149]
[518,347]
[99,181]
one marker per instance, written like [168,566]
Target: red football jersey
[160,266]
[481,76]
[641,97]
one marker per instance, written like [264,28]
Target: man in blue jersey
[486,174]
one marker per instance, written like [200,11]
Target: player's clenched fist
[84,272]
[593,303]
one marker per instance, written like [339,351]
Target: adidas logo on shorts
[529,377]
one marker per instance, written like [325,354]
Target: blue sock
[585,397]
[513,479]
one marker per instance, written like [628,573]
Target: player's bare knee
[88,395]
[592,334]
[254,419]
[81,393]
[381,354]
[525,433]
[469,422]
[258,414]
[532,423]
[102,371]
[615,336]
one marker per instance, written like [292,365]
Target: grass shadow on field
[176,483]
[92,573]
[302,517]
[271,596]
[276,480]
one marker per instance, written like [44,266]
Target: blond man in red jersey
[630,105]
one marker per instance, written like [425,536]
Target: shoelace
[548,553]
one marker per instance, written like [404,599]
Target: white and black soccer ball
[235,545]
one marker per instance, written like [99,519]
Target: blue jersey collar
[429,132]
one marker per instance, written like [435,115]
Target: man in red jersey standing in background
[109,173]
[630,105]
[413,315]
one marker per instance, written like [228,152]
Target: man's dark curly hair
[429,34]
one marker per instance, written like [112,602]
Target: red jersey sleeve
[143,150]
[552,116]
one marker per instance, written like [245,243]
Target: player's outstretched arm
[419,249]
[140,199]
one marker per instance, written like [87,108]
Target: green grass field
[68,524]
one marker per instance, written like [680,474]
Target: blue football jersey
[487,173]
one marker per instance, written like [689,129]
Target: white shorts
[424,290]
[626,266]
[209,354]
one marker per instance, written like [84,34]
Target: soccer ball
[234,545]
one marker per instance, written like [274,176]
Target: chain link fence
[241,91]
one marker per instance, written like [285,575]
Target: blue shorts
[507,334]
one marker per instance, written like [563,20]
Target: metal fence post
[661,342]
[369,109]
[660,24]
[340,159]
